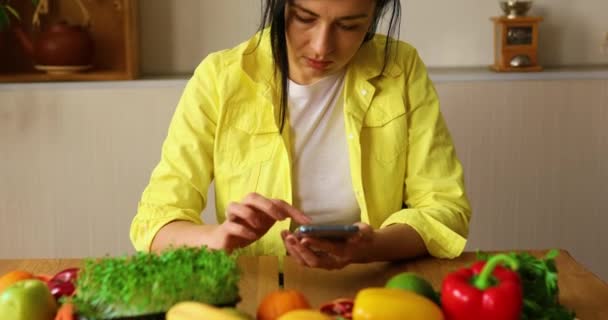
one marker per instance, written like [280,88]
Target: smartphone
[328,232]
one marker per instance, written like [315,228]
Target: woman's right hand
[250,219]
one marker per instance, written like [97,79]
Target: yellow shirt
[402,161]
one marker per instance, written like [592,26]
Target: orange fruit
[43,277]
[14,276]
[277,303]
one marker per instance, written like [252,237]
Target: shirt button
[351,136]
[364,92]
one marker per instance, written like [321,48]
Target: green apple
[27,300]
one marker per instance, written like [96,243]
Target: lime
[412,282]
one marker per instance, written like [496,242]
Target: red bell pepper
[483,292]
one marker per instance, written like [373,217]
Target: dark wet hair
[273,15]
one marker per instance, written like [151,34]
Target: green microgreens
[148,283]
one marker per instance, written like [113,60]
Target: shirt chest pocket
[252,138]
[384,132]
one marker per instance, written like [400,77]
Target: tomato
[60,289]
[67,275]
[277,303]
[62,284]
[339,307]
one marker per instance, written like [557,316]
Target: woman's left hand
[326,254]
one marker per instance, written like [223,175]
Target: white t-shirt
[322,182]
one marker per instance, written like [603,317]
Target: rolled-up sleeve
[434,190]
[177,189]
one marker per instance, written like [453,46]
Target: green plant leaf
[12,11]
[551,255]
[539,282]
[4,18]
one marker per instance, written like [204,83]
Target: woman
[315,120]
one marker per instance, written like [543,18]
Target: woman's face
[323,35]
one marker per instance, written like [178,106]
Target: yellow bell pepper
[304,315]
[394,304]
[190,310]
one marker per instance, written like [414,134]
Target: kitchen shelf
[455,74]
[99,75]
[113,28]
[437,74]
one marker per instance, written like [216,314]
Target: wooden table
[259,275]
[580,290]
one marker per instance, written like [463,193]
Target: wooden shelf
[113,28]
[81,76]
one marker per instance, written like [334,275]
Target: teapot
[59,44]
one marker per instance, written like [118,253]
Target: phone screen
[330,232]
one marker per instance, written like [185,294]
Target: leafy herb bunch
[539,283]
[147,283]
[7,11]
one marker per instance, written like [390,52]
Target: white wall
[73,163]
[176,35]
